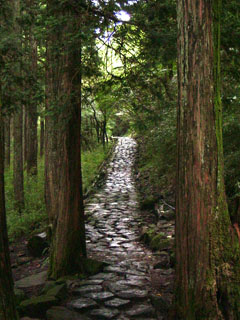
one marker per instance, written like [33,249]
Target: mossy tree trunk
[207,250]
[64,144]
[7,299]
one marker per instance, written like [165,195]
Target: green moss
[37,306]
[148,203]
[91,266]
[58,291]
[19,295]
[159,243]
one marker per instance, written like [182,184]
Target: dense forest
[100,96]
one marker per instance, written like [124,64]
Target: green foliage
[34,215]
[157,149]
[91,160]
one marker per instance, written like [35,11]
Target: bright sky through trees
[123,15]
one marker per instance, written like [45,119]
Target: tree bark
[25,135]
[7,141]
[18,160]
[64,185]
[32,115]
[207,283]
[7,299]
[42,135]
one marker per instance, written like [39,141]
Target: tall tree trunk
[64,186]
[207,282]
[32,139]
[42,135]
[7,299]
[25,134]
[7,141]
[18,160]
[18,134]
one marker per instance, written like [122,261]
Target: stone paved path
[122,291]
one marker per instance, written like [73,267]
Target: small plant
[34,216]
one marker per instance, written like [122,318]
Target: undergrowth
[34,216]
[156,164]
[91,160]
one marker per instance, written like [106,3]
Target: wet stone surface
[124,289]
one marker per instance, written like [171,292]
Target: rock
[37,244]
[158,243]
[91,266]
[61,313]
[104,313]
[48,285]
[113,286]
[19,295]
[82,303]
[129,283]
[141,310]
[58,291]
[93,281]
[99,296]
[32,281]
[163,263]
[117,303]
[169,215]
[103,276]
[37,306]
[132,294]
[87,289]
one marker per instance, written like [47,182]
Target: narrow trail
[123,290]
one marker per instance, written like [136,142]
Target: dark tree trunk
[7,141]
[97,125]
[25,135]
[32,140]
[7,299]
[207,268]
[18,160]
[64,186]
[18,133]
[42,134]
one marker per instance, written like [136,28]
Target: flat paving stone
[117,303]
[93,281]
[130,283]
[104,313]
[32,281]
[99,296]
[82,303]
[87,289]
[115,269]
[114,287]
[132,294]
[104,276]
[141,310]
